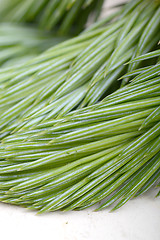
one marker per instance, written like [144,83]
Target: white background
[139,219]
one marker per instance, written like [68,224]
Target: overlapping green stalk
[110,151]
[69,139]
[67,16]
[80,71]
[20,43]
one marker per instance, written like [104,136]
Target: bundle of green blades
[108,150]
[80,123]
[77,72]
[67,16]
[20,43]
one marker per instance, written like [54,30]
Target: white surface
[138,220]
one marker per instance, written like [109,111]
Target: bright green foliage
[20,43]
[80,123]
[110,151]
[67,16]
[77,72]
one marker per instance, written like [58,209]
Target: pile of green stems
[109,151]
